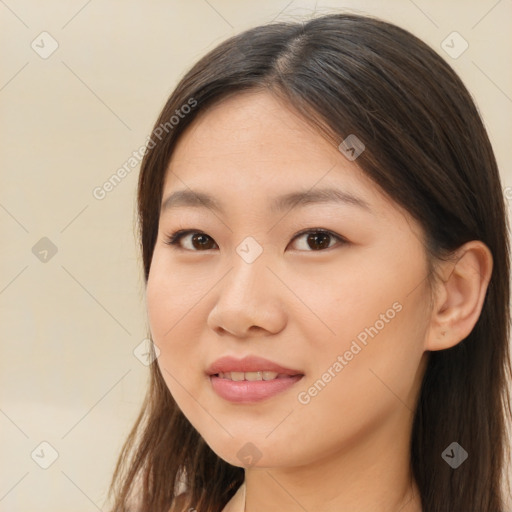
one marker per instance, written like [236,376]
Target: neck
[372,476]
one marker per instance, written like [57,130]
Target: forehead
[253,145]
[252,135]
[249,122]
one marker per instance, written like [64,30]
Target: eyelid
[332,234]
[174,239]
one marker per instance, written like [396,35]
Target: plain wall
[70,321]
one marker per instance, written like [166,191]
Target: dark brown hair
[427,148]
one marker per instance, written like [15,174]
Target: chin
[251,453]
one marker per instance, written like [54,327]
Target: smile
[249,391]
[252,376]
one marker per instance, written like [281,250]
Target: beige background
[70,324]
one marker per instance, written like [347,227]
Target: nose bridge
[248,263]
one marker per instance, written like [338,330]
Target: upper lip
[248,364]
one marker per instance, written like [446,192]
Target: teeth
[253,376]
[250,376]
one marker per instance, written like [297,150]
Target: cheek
[171,320]
[171,296]
[367,338]
[176,302]
[334,307]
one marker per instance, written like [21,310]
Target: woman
[326,260]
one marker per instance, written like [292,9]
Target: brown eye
[317,240]
[201,241]
[197,242]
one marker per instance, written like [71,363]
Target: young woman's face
[346,310]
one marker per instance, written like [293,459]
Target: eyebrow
[291,200]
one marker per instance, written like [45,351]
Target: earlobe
[460,295]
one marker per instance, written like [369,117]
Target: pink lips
[248,364]
[250,391]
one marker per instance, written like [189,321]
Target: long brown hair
[427,148]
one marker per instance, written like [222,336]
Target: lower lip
[251,391]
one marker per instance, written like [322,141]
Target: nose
[249,301]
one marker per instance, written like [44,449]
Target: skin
[347,449]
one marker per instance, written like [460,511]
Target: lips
[249,364]
[251,379]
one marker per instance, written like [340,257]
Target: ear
[459,295]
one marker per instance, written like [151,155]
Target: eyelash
[175,238]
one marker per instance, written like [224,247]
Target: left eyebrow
[289,201]
[317,196]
